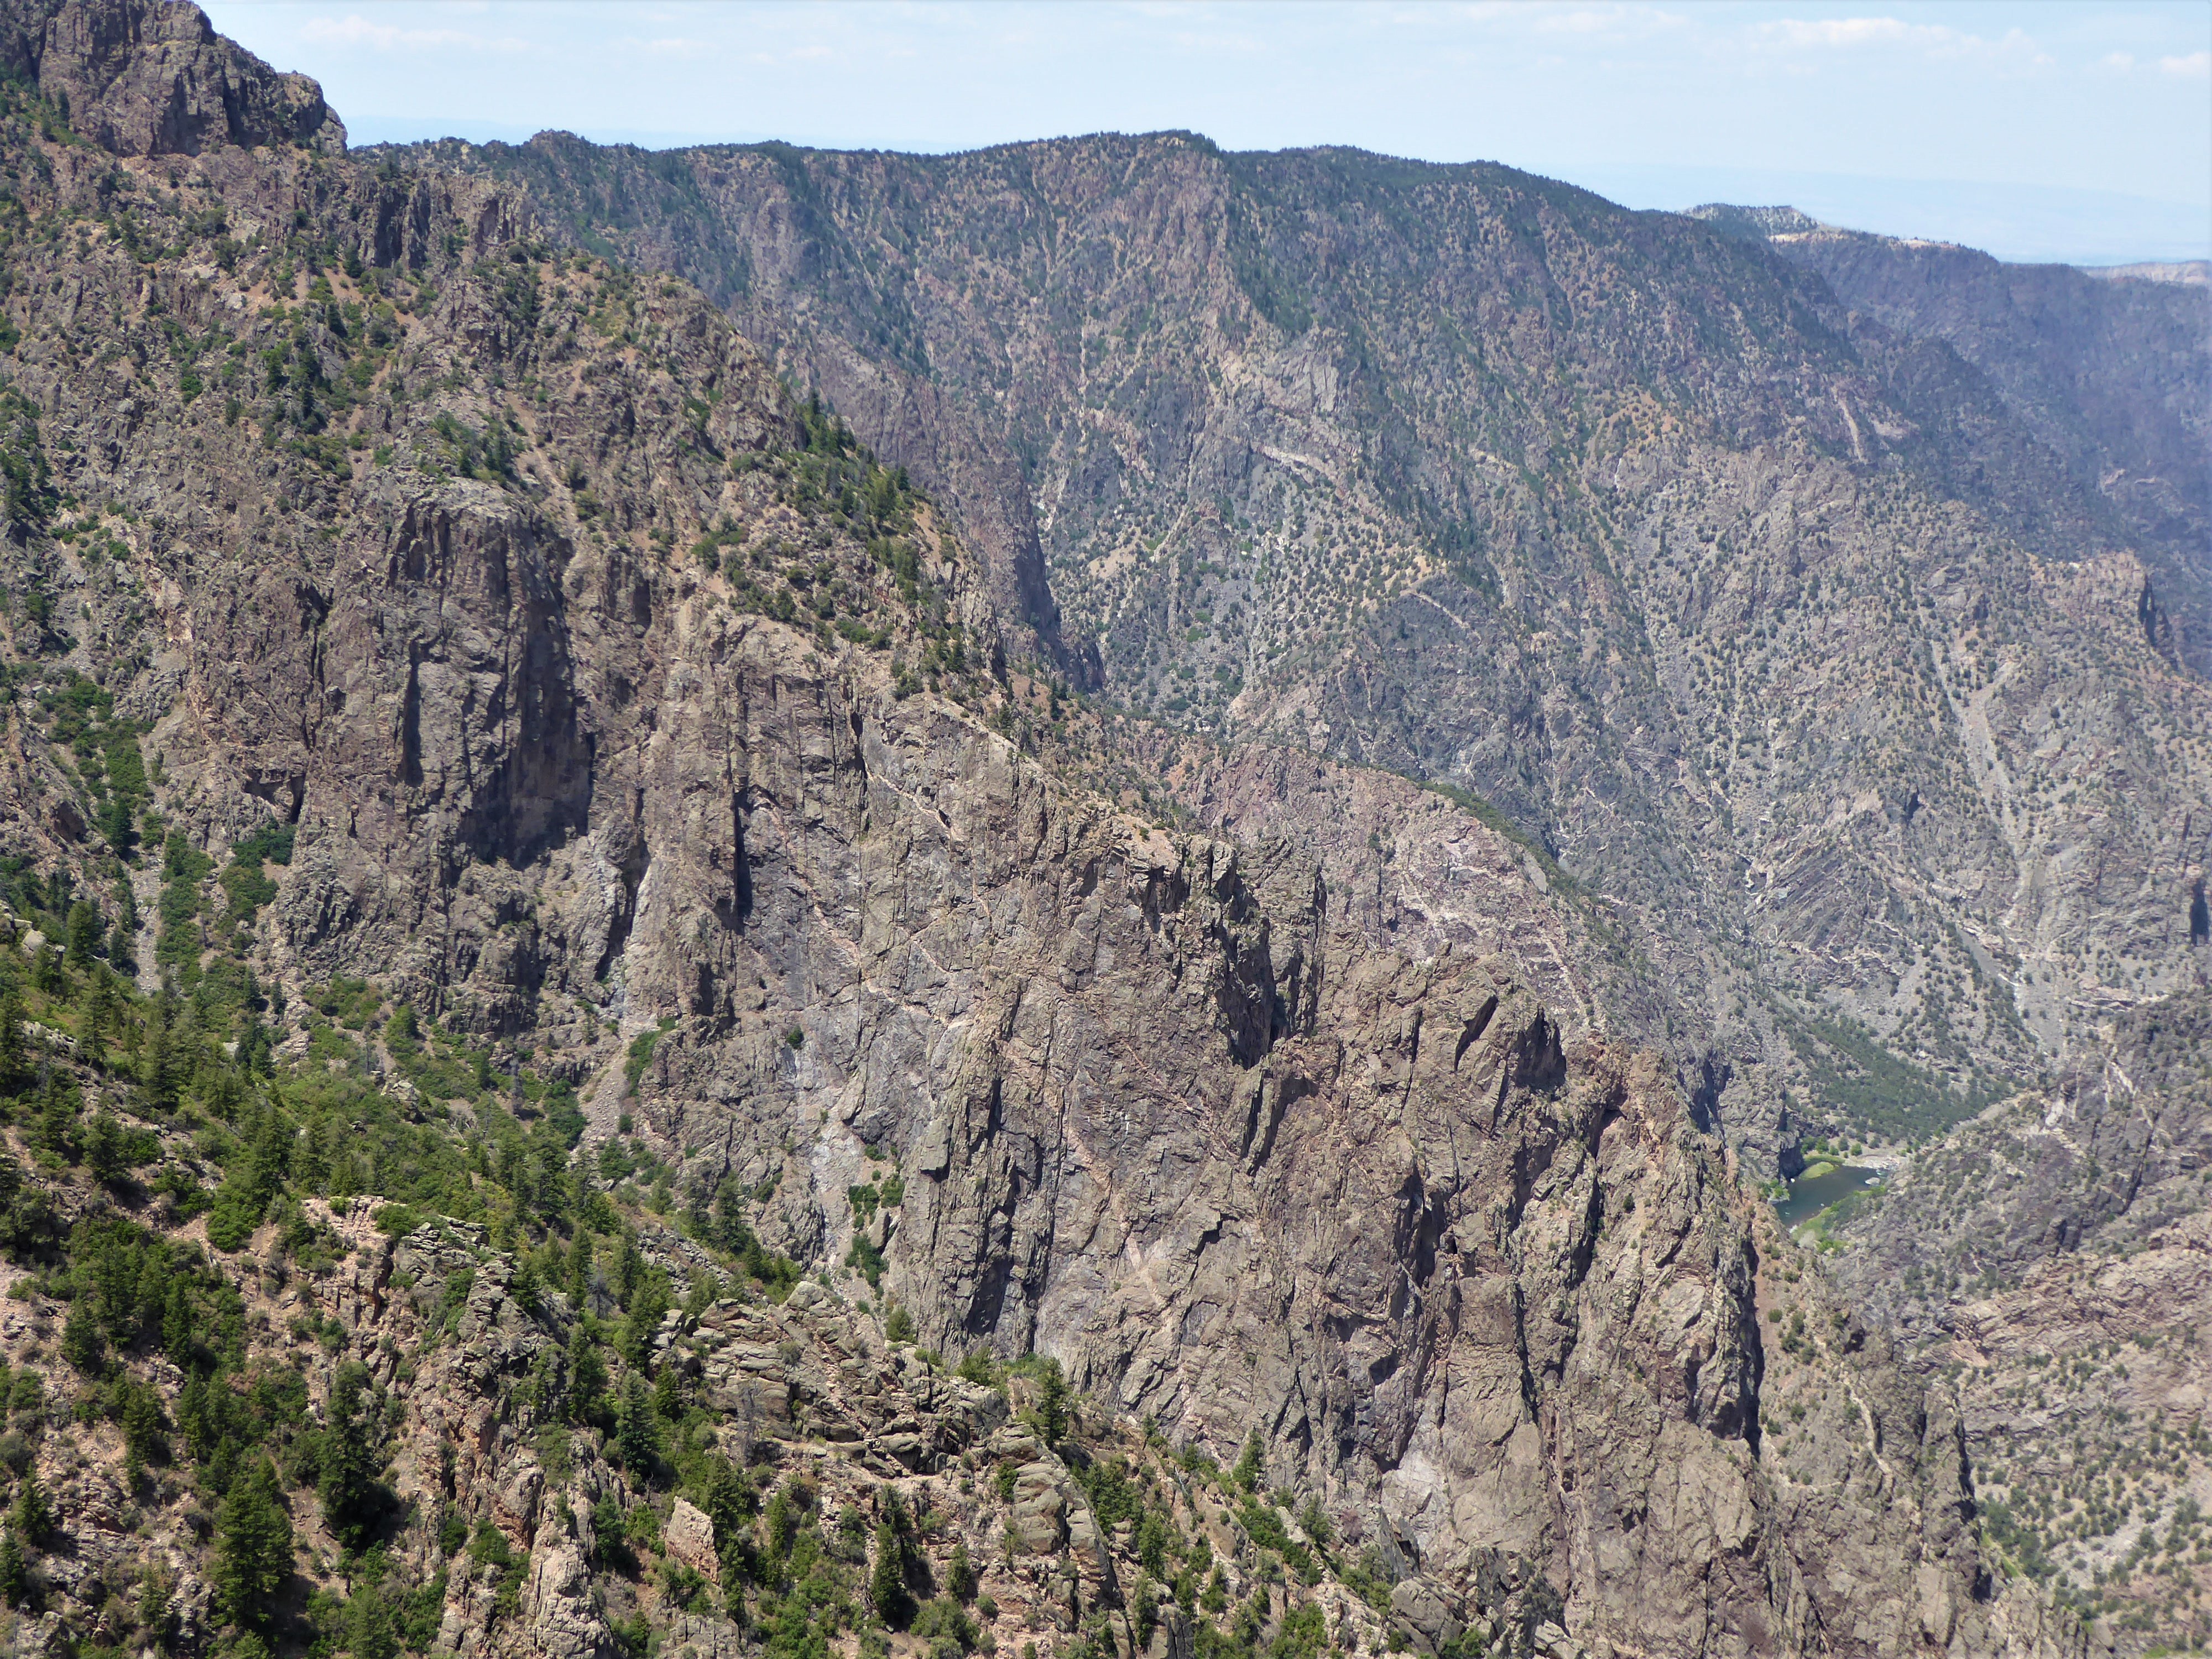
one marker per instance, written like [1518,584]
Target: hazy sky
[2040,130]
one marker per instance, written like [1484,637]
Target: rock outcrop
[546,730]
[140,79]
[1822,607]
[2055,1257]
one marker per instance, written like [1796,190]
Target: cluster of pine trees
[185,1102]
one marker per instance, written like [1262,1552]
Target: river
[1810,1194]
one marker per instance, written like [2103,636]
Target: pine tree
[1052,1403]
[730,1230]
[179,1338]
[1246,1474]
[373,1624]
[84,932]
[154,1592]
[35,1511]
[104,1148]
[12,1050]
[116,826]
[58,1108]
[269,1158]
[253,1544]
[629,1271]
[348,1485]
[99,1016]
[637,1446]
[253,1048]
[14,1571]
[580,1271]
[588,1375]
[668,1394]
[887,1580]
[81,1343]
[165,1057]
[729,1503]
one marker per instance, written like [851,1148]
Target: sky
[2044,130]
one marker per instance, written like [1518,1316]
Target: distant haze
[2059,131]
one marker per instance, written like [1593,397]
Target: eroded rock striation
[2054,1256]
[580,1030]
[1824,605]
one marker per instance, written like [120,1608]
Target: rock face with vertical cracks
[157,79]
[622,711]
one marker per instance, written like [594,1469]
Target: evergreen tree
[254,1057]
[12,1053]
[155,1611]
[636,1443]
[372,1622]
[1246,1474]
[179,1338]
[57,1110]
[580,1271]
[253,1544]
[81,1343]
[14,1571]
[27,1224]
[668,1394]
[99,1016]
[587,1373]
[346,1486]
[271,1156]
[83,934]
[115,825]
[35,1511]
[629,1271]
[887,1580]
[1052,1403]
[729,1503]
[104,1148]
[166,1060]
[649,1302]
[730,1230]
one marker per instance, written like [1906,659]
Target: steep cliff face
[2109,373]
[141,80]
[1806,636]
[2054,1256]
[523,683]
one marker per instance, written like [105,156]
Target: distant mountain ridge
[1704,556]
[2077,367]
[1756,223]
[2194,273]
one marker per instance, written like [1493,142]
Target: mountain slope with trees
[1812,635]
[600,1059]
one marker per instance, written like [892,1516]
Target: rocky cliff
[590,1063]
[2108,375]
[2054,1259]
[1840,649]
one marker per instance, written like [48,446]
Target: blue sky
[2040,130]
